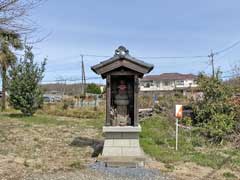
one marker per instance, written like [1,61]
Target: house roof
[169,76]
[122,58]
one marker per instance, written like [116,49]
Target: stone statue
[121,101]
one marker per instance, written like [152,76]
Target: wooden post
[136,89]
[176,134]
[108,100]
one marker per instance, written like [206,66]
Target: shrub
[24,91]
[214,111]
[187,121]
[67,103]
[145,101]
[219,126]
[93,88]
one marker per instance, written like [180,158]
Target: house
[166,82]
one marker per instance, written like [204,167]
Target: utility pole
[64,86]
[83,84]
[211,56]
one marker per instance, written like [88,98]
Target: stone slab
[130,161]
[122,129]
[112,151]
[122,142]
[122,147]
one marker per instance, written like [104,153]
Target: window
[147,85]
[166,83]
[179,82]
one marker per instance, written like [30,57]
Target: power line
[211,56]
[153,57]
[228,48]
[229,76]
[171,57]
[167,57]
[93,55]
[72,79]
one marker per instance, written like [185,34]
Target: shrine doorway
[128,82]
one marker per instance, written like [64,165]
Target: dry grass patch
[43,144]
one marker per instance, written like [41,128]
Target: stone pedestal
[121,146]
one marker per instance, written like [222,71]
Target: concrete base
[121,146]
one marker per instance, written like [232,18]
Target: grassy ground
[81,112]
[49,143]
[158,140]
[45,143]
[42,118]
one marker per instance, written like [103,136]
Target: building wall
[166,85]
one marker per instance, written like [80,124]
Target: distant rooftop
[169,76]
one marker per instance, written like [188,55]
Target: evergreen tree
[24,91]
[8,40]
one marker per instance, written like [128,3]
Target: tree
[234,80]
[24,91]
[214,111]
[93,88]
[14,13]
[8,40]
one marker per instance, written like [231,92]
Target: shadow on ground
[16,115]
[97,145]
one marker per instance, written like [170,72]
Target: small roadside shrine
[121,129]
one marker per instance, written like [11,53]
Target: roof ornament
[121,51]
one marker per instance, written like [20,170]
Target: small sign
[179,111]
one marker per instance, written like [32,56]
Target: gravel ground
[98,171]
[129,173]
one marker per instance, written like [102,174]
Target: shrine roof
[125,60]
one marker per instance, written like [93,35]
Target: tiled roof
[122,53]
[169,76]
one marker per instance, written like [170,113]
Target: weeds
[83,112]
[229,175]
[158,140]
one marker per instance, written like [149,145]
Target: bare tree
[236,71]
[234,79]
[14,15]
[14,23]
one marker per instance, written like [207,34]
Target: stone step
[131,162]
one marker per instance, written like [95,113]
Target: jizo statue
[121,101]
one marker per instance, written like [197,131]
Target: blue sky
[145,27]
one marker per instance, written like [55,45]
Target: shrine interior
[128,81]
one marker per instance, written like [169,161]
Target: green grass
[36,119]
[229,175]
[96,123]
[235,156]
[158,140]
[52,120]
